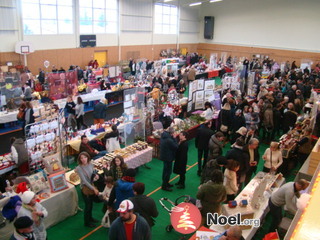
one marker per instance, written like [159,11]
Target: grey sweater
[285,196]
[79,110]
[85,172]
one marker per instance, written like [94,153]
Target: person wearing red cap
[129,225]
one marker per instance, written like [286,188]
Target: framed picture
[194,85]
[199,96]
[58,181]
[199,105]
[190,92]
[193,97]
[200,84]
[209,85]
[189,107]
[208,94]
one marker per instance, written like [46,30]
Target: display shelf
[305,224]
[314,158]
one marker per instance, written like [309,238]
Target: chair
[157,125]
[112,144]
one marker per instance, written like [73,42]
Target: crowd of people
[242,122]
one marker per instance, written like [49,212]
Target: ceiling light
[212,1]
[195,4]
[167,0]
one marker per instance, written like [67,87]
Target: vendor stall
[57,206]
[256,194]
[305,224]
[134,156]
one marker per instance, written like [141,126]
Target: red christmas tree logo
[185,218]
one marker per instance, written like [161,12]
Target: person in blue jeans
[168,149]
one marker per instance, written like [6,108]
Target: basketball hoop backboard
[23,47]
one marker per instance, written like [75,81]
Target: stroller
[183,198]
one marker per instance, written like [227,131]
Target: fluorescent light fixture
[195,4]
[167,0]
[212,1]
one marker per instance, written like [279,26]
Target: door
[101,57]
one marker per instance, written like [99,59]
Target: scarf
[129,179]
[33,210]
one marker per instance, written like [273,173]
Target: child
[230,179]
[107,189]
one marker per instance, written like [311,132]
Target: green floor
[73,228]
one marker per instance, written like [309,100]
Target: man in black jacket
[144,205]
[252,151]
[202,144]
[168,149]
[289,118]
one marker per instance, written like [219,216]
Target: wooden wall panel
[81,56]
[277,54]
[13,57]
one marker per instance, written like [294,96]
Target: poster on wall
[200,84]
[209,85]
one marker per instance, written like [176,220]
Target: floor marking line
[89,233]
[156,190]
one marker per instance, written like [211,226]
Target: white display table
[59,205]
[257,213]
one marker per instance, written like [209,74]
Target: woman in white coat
[272,158]
[230,179]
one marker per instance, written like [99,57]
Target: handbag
[87,191]
[223,128]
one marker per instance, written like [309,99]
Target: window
[166,19]
[98,16]
[47,17]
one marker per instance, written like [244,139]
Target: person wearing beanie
[35,211]
[99,111]
[23,229]
[129,225]
[213,164]
[122,189]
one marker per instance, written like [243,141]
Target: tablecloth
[59,205]
[8,168]
[75,143]
[85,98]
[139,158]
[12,116]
